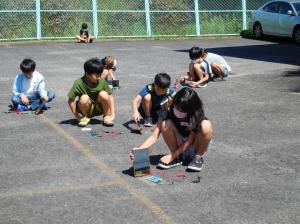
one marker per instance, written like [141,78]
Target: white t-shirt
[211,58]
[31,86]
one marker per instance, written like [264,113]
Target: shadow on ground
[131,126]
[282,52]
[295,83]
[292,73]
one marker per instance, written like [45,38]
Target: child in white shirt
[199,70]
[29,88]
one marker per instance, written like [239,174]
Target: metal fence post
[197,18]
[38,19]
[148,21]
[95,18]
[244,8]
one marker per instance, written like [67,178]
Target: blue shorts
[190,153]
[224,71]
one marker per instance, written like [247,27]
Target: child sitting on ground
[199,70]
[186,131]
[219,66]
[93,95]
[153,98]
[84,35]
[29,88]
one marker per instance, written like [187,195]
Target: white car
[277,18]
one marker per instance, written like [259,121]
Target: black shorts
[153,112]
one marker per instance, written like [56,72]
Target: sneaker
[175,162]
[196,164]
[22,107]
[45,107]
[202,85]
[148,122]
[213,79]
[84,122]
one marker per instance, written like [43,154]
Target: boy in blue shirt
[153,97]
[29,88]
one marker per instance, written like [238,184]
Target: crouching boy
[91,96]
[153,97]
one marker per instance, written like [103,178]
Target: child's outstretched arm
[149,141]
[134,106]
[152,138]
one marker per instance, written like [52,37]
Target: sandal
[84,122]
[108,121]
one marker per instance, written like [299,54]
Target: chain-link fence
[46,19]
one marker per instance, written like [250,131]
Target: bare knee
[167,126]
[195,66]
[216,68]
[84,99]
[206,130]
[191,66]
[198,71]
[147,98]
[103,96]
[214,65]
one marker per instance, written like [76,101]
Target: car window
[284,7]
[272,7]
[297,7]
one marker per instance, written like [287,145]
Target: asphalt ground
[53,172]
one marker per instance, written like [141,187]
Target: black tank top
[185,125]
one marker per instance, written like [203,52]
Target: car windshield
[297,7]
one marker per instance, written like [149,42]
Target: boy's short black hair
[93,65]
[163,80]
[27,65]
[195,53]
[84,26]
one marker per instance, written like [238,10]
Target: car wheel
[257,31]
[296,35]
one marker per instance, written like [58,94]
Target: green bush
[221,23]
[63,23]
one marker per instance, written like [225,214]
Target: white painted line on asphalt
[142,199]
